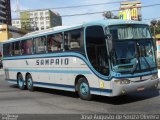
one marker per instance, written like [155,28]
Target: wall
[3,33]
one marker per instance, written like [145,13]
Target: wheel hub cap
[20,81]
[84,88]
[29,83]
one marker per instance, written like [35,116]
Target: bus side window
[23,47]
[55,42]
[66,41]
[49,43]
[17,48]
[73,39]
[7,49]
[40,44]
[27,47]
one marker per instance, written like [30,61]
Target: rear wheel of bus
[29,82]
[21,82]
[84,89]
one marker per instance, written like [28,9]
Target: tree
[153,22]
[155,27]
[108,14]
[115,17]
[158,23]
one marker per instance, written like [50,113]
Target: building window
[41,18]
[31,14]
[55,42]
[47,23]
[36,19]
[47,18]
[42,23]
[41,13]
[35,14]
[27,46]
[46,13]
[31,19]
[40,44]
[47,27]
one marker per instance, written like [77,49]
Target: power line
[148,19]
[98,12]
[152,5]
[77,6]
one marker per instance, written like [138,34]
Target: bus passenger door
[97,54]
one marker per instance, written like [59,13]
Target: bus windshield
[133,49]
[124,32]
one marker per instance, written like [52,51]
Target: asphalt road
[47,101]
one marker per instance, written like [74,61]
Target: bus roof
[108,22]
[66,28]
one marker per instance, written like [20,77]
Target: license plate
[140,89]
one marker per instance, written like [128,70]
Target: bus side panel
[59,73]
[10,76]
[97,85]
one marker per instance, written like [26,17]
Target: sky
[147,13]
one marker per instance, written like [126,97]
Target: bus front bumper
[122,89]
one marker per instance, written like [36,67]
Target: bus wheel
[84,89]
[29,83]
[21,82]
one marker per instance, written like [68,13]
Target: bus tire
[29,83]
[21,82]
[84,89]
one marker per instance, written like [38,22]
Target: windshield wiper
[147,62]
[137,62]
[135,66]
[142,55]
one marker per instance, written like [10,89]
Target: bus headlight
[155,76]
[122,81]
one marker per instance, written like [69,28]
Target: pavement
[1,72]
[47,101]
[49,104]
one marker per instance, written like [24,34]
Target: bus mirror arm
[110,43]
[110,55]
[154,45]
[108,36]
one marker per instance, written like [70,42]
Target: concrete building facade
[5,12]
[7,32]
[37,20]
[16,23]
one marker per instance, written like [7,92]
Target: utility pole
[17,9]
[154,23]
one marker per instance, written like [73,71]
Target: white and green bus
[106,57]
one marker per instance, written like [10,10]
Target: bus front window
[133,48]
[124,56]
[126,32]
